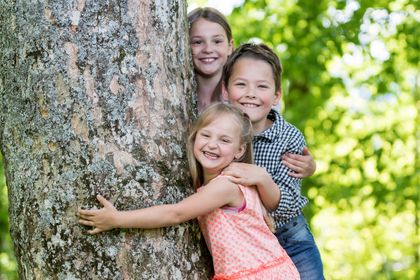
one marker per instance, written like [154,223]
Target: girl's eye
[224,140]
[196,42]
[240,84]
[263,86]
[203,134]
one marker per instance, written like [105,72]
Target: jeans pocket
[299,232]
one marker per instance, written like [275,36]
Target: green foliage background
[351,84]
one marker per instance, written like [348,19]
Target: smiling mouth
[210,155]
[207,60]
[250,105]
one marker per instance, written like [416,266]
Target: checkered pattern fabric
[269,146]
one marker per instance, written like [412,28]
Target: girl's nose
[212,143]
[207,48]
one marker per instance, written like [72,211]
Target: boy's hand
[302,165]
[244,173]
[100,219]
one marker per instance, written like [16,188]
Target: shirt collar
[275,130]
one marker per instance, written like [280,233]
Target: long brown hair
[212,112]
[212,15]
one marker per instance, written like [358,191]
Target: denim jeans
[298,241]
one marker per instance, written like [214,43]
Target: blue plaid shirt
[269,146]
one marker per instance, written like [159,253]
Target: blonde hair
[212,112]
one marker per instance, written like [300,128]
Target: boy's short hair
[258,52]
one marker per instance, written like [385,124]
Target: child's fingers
[306,151]
[94,231]
[296,175]
[87,213]
[235,180]
[293,164]
[230,172]
[294,160]
[86,222]
[103,201]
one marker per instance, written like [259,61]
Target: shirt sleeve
[291,202]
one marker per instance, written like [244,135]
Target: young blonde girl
[231,216]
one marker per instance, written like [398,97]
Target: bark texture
[96,97]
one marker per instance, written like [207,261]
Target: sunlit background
[351,76]
[351,84]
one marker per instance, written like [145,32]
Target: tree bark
[96,98]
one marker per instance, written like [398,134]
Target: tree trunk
[96,98]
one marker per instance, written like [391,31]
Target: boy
[252,82]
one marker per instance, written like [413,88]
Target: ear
[225,94]
[230,46]
[277,97]
[241,152]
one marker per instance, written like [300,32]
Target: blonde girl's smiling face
[217,144]
[210,47]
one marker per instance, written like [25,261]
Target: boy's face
[252,88]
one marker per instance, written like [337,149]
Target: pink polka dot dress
[241,244]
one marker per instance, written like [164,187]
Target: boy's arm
[302,165]
[291,200]
[251,174]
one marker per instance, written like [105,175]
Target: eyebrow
[223,135]
[244,79]
[214,36]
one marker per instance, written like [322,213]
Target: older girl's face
[210,47]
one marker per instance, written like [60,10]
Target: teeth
[211,155]
[249,105]
[208,59]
